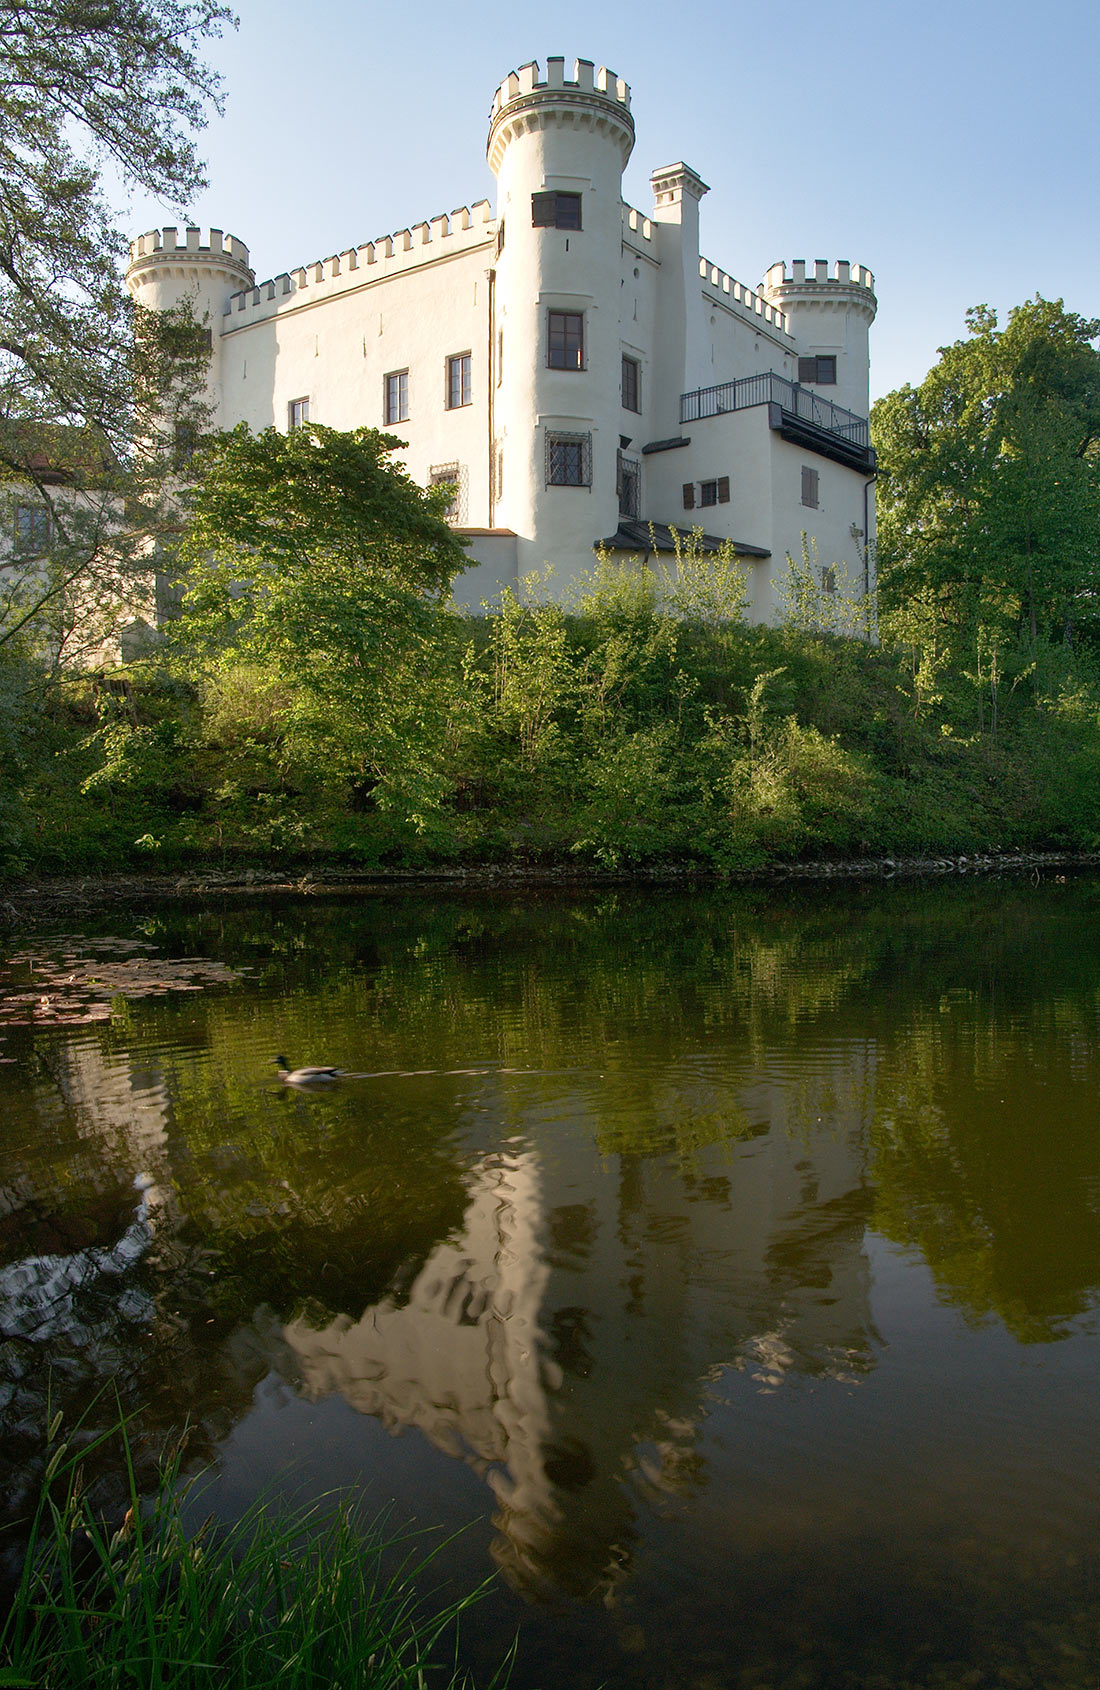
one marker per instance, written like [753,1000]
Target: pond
[719,1270]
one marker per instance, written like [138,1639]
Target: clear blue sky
[954,148]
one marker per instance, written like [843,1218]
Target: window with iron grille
[32,529]
[555,210]
[397,396]
[809,487]
[568,460]
[297,413]
[458,381]
[456,476]
[819,370]
[629,485]
[631,384]
[565,340]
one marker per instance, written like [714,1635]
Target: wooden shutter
[807,367]
[809,487]
[689,495]
[723,489]
[544,210]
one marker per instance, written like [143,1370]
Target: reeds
[306,1600]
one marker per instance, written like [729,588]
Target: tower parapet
[592,99]
[161,254]
[840,286]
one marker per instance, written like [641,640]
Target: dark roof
[635,536]
[667,445]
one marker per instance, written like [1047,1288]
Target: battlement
[743,301]
[842,274]
[467,228]
[164,245]
[637,224]
[595,100]
[586,79]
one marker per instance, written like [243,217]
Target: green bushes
[638,724]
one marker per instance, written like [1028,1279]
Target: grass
[303,1600]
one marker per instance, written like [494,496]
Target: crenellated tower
[558,146]
[829,312]
[163,272]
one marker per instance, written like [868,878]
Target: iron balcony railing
[790,396]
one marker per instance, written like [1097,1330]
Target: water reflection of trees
[921,1061]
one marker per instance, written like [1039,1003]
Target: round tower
[829,313]
[558,147]
[163,273]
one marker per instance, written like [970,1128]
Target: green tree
[83,373]
[989,486]
[314,561]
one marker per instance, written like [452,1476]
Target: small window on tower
[568,460]
[565,340]
[297,413]
[555,210]
[819,370]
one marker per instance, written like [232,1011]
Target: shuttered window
[821,371]
[555,210]
[703,493]
[809,487]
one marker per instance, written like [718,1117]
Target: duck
[305,1076]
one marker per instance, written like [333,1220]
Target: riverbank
[22,902]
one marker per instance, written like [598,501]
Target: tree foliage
[83,372]
[314,560]
[989,488]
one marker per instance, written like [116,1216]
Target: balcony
[798,414]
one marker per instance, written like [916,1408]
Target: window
[715,492]
[568,460]
[631,384]
[630,481]
[565,340]
[297,413]
[821,371]
[397,396]
[809,487]
[184,444]
[828,578]
[453,475]
[556,211]
[458,381]
[32,529]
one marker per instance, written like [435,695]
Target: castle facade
[573,366]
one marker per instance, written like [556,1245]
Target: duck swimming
[305,1076]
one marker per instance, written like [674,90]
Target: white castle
[573,366]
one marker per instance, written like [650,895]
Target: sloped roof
[633,535]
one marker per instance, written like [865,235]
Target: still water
[722,1268]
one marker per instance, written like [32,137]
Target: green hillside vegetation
[612,734]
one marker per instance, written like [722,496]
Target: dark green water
[726,1265]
